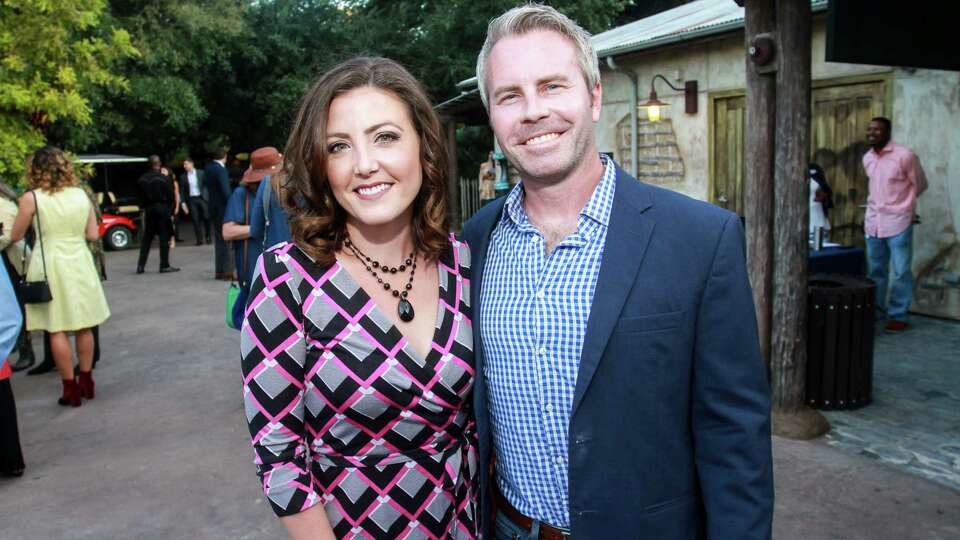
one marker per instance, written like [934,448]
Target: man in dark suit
[619,379]
[218,189]
[193,200]
[157,200]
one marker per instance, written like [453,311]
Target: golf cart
[115,185]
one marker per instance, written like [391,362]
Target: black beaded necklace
[404,307]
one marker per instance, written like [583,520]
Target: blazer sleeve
[274,363]
[731,400]
[223,183]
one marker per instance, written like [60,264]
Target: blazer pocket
[669,504]
[649,323]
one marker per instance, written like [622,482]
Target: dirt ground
[163,451]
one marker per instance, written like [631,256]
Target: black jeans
[156,223]
[200,214]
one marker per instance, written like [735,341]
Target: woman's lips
[372,191]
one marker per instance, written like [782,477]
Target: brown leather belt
[546,531]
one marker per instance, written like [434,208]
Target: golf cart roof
[108,158]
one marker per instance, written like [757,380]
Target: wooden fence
[469,199]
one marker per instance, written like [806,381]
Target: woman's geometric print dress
[343,411]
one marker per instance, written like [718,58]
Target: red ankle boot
[71,393]
[85,383]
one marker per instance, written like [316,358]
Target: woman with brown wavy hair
[64,220]
[357,348]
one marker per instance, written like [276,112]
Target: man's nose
[535,108]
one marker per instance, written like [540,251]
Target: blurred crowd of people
[50,235]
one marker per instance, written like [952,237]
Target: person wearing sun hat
[236,219]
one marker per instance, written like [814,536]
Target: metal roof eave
[817,6]
[670,39]
[109,158]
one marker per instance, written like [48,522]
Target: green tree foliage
[50,52]
[186,63]
[439,41]
[292,43]
[216,70]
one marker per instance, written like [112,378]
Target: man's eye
[507,98]
[336,147]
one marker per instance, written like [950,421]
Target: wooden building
[701,153]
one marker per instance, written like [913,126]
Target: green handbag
[233,294]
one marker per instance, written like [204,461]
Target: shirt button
[558,460]
[549,407]
[542,351]
[540,294]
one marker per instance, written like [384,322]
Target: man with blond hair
[620,384]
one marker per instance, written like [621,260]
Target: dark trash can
[840,314]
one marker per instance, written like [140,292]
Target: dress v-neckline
[407,344]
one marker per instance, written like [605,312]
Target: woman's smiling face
[373,157]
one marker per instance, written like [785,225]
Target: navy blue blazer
[218,188]
[670,426]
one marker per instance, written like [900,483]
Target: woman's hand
[311,524]
[92,232]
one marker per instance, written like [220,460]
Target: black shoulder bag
[36,292]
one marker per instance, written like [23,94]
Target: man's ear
[596,100]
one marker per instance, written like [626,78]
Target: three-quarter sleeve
[274,357]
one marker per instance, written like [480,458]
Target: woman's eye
[387,137]
[336,147]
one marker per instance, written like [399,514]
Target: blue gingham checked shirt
[533,318]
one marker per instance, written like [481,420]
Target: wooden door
[727,174]
[840,115]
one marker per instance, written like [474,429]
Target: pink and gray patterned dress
[343,412]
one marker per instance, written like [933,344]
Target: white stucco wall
[925,113]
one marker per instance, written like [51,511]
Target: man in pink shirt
[896,180]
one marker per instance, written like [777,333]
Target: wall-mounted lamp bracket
[762,52]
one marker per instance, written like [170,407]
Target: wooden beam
[453,182]
[788,344]
[758,169]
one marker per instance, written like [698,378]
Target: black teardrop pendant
[405,310]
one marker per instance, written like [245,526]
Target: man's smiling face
[540,108]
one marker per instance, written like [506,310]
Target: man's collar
[222,162]
[886,148]
[597,208]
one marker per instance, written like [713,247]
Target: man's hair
[220,152]
[154,161]
[188,158]
[532,17]
[883,120]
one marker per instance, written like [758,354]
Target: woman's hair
[49,169]
[317,221]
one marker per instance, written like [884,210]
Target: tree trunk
[758,171]
[791,191]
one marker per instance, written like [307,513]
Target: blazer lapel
[482,240]
[628,234]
